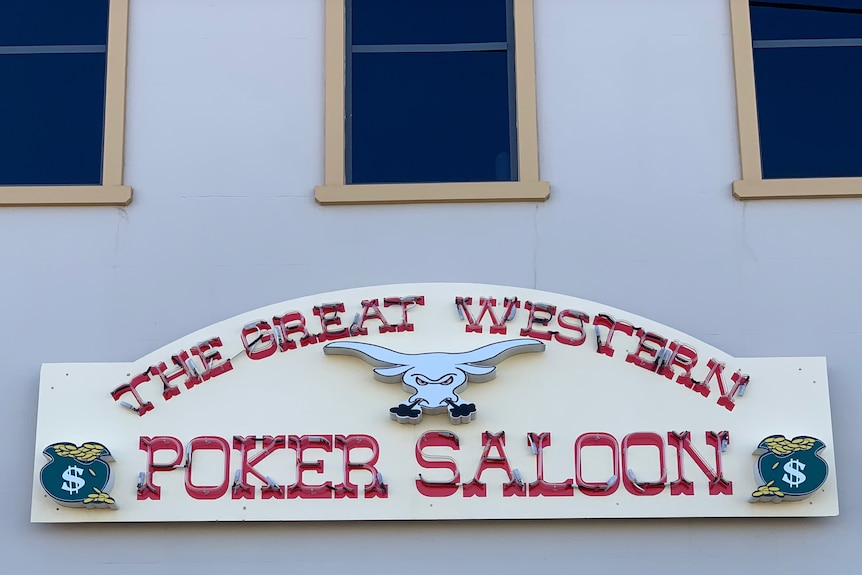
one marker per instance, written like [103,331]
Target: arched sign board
[433,401]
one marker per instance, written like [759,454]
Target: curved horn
[494,353]
[370,353]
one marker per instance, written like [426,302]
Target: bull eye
[449,380]
[420,381]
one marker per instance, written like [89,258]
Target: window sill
[797,188]
[419,193]
[65,195]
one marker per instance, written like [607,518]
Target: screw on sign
[78,476]
[789,469]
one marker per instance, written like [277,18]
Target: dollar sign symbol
[72,481]
[793,475]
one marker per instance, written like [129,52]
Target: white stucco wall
[224,140]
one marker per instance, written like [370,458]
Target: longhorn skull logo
[434,379]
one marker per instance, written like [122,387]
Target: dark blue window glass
[52,91]
[809,104]
[52,22]
[51,120]
[430,91]
[808,77]
[438,117]
[428,21]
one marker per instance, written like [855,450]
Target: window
[63,72]
[430,101]
[798,67]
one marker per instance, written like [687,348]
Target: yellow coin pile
[86,453]
[782,446]
[768,490]
[99,497]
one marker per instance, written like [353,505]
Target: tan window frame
[527,188]
[752,186]
[111,192]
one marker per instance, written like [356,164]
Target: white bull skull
[434,379]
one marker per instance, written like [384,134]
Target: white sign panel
[433,401]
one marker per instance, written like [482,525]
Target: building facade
[223,189]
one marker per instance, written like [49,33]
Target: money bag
[78,476]
[792,468]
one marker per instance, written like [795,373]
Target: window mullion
[348,93]
[54,49]
[810,43]
[419,48]
[513,105]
